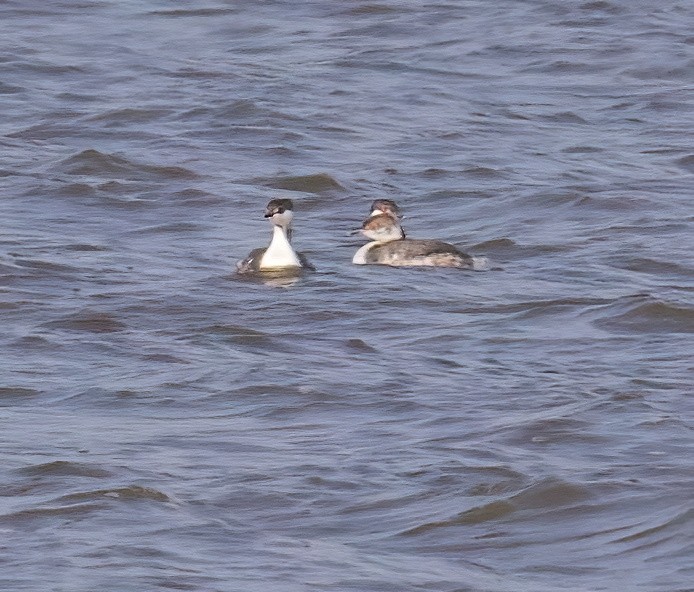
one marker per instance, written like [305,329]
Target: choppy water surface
[167,424]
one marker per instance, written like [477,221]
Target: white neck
[360,256]
[280,253]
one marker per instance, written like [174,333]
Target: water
[167,424]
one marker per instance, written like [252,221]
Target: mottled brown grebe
[389,246]
[385,206]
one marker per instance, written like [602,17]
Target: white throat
[283,219]
[279,254]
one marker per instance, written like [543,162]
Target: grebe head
[385,206]
[280,212]
[382,228]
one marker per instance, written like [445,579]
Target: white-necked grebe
[279,255]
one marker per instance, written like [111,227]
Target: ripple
[241,336]
[197,197]
[357,345]
[483,172]
[87,322]
[657,267]
[33,342]
[559,430]
[41,265]
[372,8]
[11,394]
[72,512]
[687,163]
[175,228]
[564,117]
[193,12]
[9,89]
[86,248]
[664,72]
[582,150]
[75,190]
[496,244]
[675,524]
[130,115]
[164,359]
[54,131]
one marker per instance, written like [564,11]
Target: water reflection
[285,278]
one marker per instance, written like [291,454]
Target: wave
[649,316]
[63,469]
[93,163]
[547,494]
[316,183]
[88,322]
[81,504]
[128,493]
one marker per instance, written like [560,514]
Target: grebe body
[412,252]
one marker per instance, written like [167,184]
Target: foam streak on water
[167,424]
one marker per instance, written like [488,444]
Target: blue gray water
[167,424]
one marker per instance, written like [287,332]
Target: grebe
[385,206]
[279,255]
[389,246]
[379,225]
[382,228]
